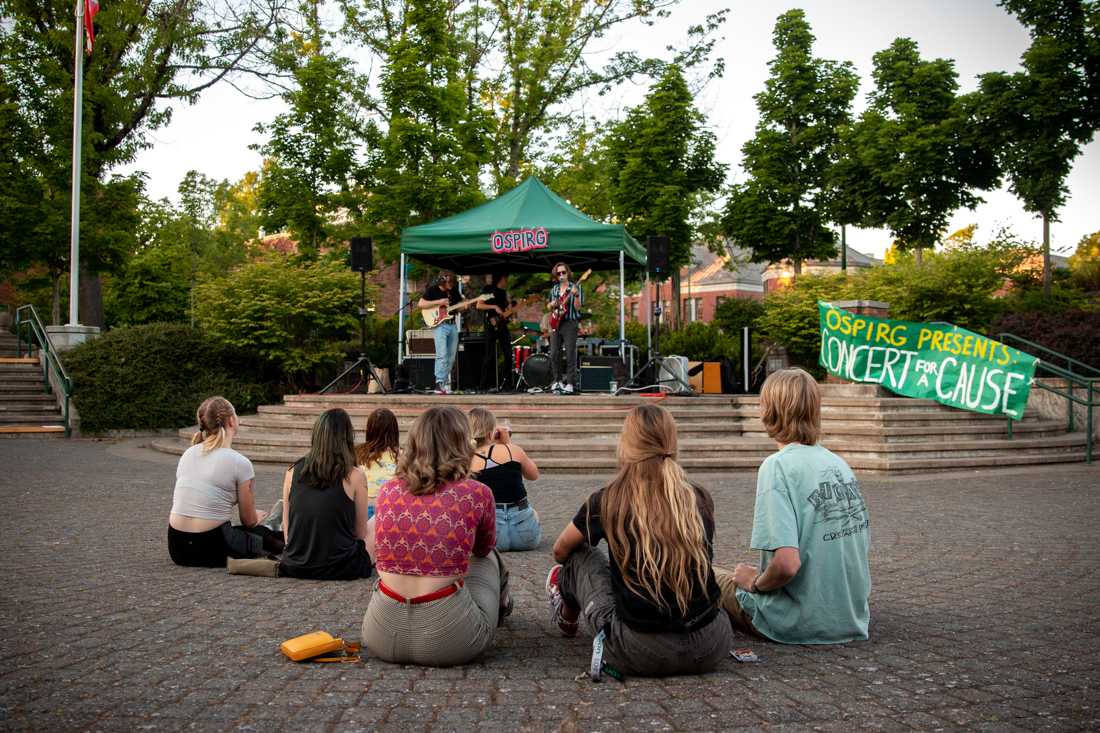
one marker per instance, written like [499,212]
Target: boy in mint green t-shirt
[811,526]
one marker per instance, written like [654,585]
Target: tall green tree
[1044,115]
[662,159]
[310,156]
[145,53]
[781,211]
[917,154]
[425,164]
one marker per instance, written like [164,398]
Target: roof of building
[711,269]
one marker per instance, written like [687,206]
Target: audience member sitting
[211,479]
[325,507]
[655,601]
[377,454]
[435,604]
[502,465]
[811,527]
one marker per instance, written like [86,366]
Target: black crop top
[505,479]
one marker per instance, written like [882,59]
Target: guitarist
[497,311]
[570,297]
[444,292]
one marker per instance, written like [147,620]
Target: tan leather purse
[311,647]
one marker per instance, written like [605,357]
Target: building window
[693,309]
[633,310]
[719,301]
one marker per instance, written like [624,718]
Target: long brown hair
[651,506]
[381,435]
[437,451]
[331,454]
[213,418]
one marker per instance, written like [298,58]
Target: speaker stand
[363,364]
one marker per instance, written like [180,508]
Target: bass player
[497,311]
[567,297]
[443,293]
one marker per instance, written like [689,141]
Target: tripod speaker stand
[657,260]
[361,262]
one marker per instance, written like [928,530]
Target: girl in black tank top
[505,479]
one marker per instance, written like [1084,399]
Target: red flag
[91,7]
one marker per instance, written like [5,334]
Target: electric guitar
[499,320]
[560,308]
[439,314]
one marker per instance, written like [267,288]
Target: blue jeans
[446,346]
[517,529]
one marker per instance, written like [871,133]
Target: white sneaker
[567,389]
[555,387]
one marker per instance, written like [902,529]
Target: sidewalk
[985,616]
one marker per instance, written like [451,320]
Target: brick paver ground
[985,616]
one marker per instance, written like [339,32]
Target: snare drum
[536,371]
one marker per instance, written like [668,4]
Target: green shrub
[1075,333]
[154,376]
[698,341]
[294,316]
[733,314]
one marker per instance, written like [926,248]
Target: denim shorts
[517,529]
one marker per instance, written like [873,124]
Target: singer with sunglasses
[566,332]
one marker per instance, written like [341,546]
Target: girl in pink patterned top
[435,531]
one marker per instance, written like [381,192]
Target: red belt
[435,595]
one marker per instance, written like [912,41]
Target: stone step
[30,418]
[21,374]
[35,396]
[10,407]
[21,389]
[10,363]
[1031,428]
[39,431]
[512,412]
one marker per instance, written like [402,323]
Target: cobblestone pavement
[985,616]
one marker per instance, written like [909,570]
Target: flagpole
[78,109]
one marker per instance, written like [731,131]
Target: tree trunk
[91,298]
[677,307]
[1046,256]
[844,249]
[55,305]
[797,266]
[918,255]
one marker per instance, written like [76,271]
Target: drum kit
[531,364]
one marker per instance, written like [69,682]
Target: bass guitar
[557,313]
[436,315]
[499,320]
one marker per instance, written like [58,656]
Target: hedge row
[154,376]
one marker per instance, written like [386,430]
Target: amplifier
[618,369]
[596,378]
[471,355]
[420,342]
[421,371]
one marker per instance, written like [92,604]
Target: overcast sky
[213,135]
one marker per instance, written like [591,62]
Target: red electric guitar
[559,309]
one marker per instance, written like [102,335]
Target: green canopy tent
[527,229]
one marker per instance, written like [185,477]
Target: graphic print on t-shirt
[838,506]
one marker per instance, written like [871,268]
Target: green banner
[940,362]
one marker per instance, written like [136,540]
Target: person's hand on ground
[744,574]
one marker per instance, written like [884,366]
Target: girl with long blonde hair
[442,589]
[653,594]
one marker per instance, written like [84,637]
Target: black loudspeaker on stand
[657,263]
[362,261]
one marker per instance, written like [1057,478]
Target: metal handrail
[1073,381]
[26,314]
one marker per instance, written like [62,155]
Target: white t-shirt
[206,484]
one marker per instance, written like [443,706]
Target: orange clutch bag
[312,645]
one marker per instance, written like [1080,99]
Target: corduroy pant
[450,631]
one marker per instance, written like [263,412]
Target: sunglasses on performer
[559,273]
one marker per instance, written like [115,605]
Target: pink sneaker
[557,603]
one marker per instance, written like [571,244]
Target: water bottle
[614,386]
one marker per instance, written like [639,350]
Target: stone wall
[1054,407]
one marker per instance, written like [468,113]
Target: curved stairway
[873,430]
